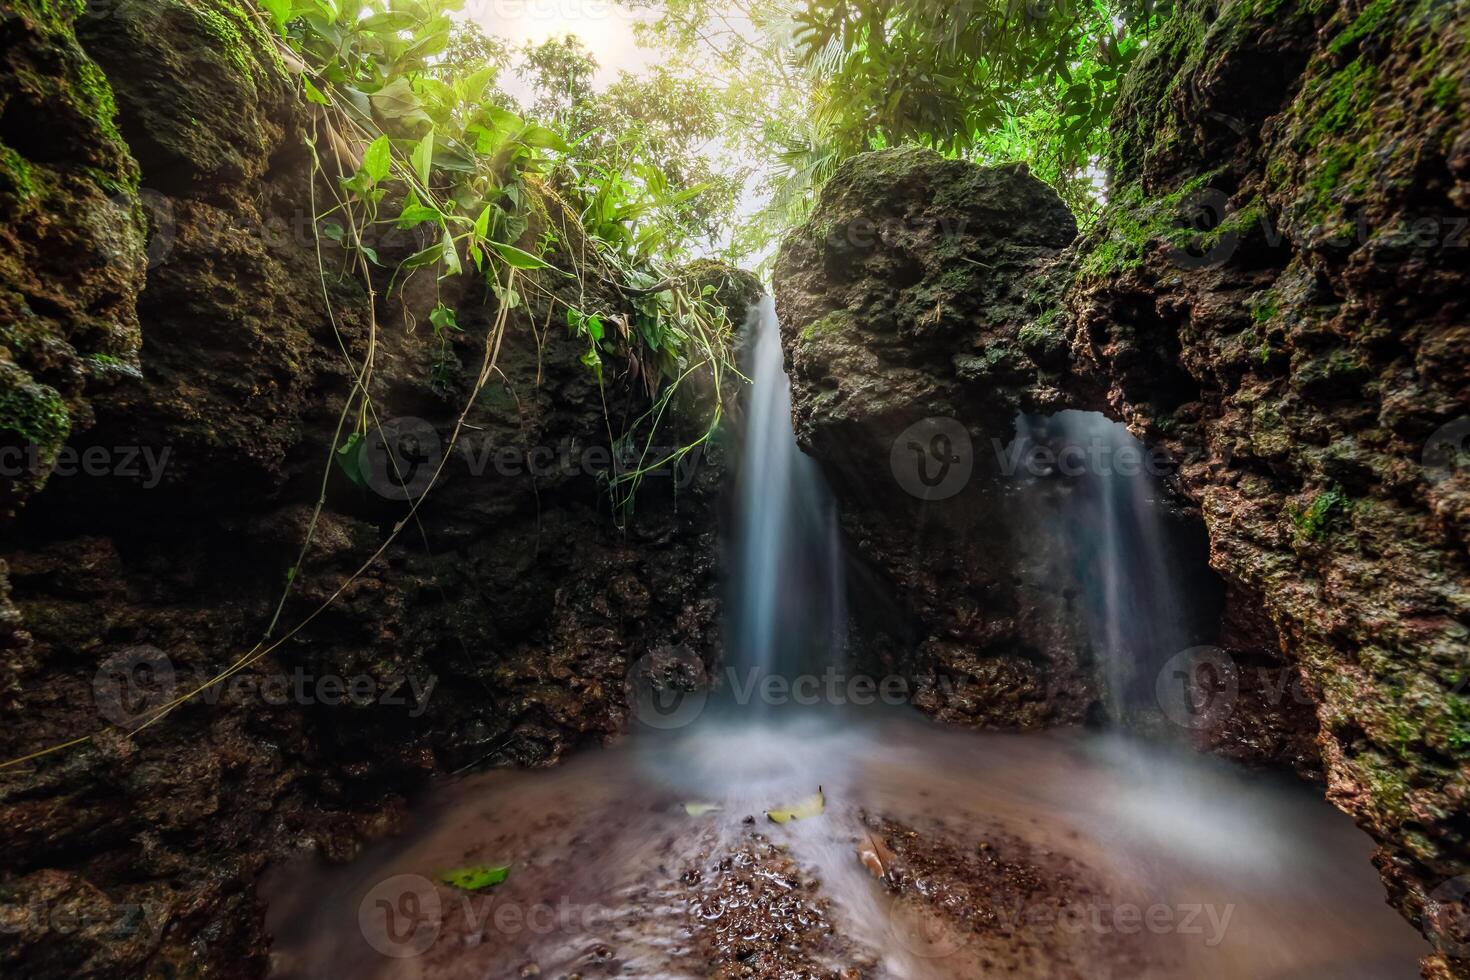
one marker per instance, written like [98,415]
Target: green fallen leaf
[475,878]
[812,806]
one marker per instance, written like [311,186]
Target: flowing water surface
[933,853]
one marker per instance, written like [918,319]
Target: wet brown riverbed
[937,855]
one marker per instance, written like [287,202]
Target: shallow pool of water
[1047,855]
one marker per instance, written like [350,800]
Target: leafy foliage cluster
[414,134]
[995,81]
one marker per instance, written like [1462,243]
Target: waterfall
[1125,563]
[787,610]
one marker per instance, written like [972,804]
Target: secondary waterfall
[787,612]
[1126,564]
[657,857]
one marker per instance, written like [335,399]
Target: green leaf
[543,138]
[416,213]
[429,256]
[452,266]
[423,158]
[517,258]
[280,11]
[378,160]
[398,102]
[444,320]
[593,363]
[314,94]
[333,231]
[476,878]
[349,458]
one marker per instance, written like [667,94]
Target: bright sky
[603,26]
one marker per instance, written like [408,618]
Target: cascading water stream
[653,859]
[787,587]
[1128,569]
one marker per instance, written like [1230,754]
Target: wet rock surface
[1317,332]
[1275,297]
[496,627]
[755,912]
[914,295]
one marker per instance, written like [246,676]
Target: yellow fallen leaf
[812,806]
[700,809]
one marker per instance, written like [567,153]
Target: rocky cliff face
[172,389]
[1275,298]
[905,302]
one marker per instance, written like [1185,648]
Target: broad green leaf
[378,160]
[314,94]
[415,213]
[476,878]
[398,102]
[423,158]
[593,363]
[517,258]
[280,11]
[349,458]
[452,266]
[543,138]
[429,256]
[444,320]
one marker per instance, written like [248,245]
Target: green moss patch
[33,413]
[1315,521]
